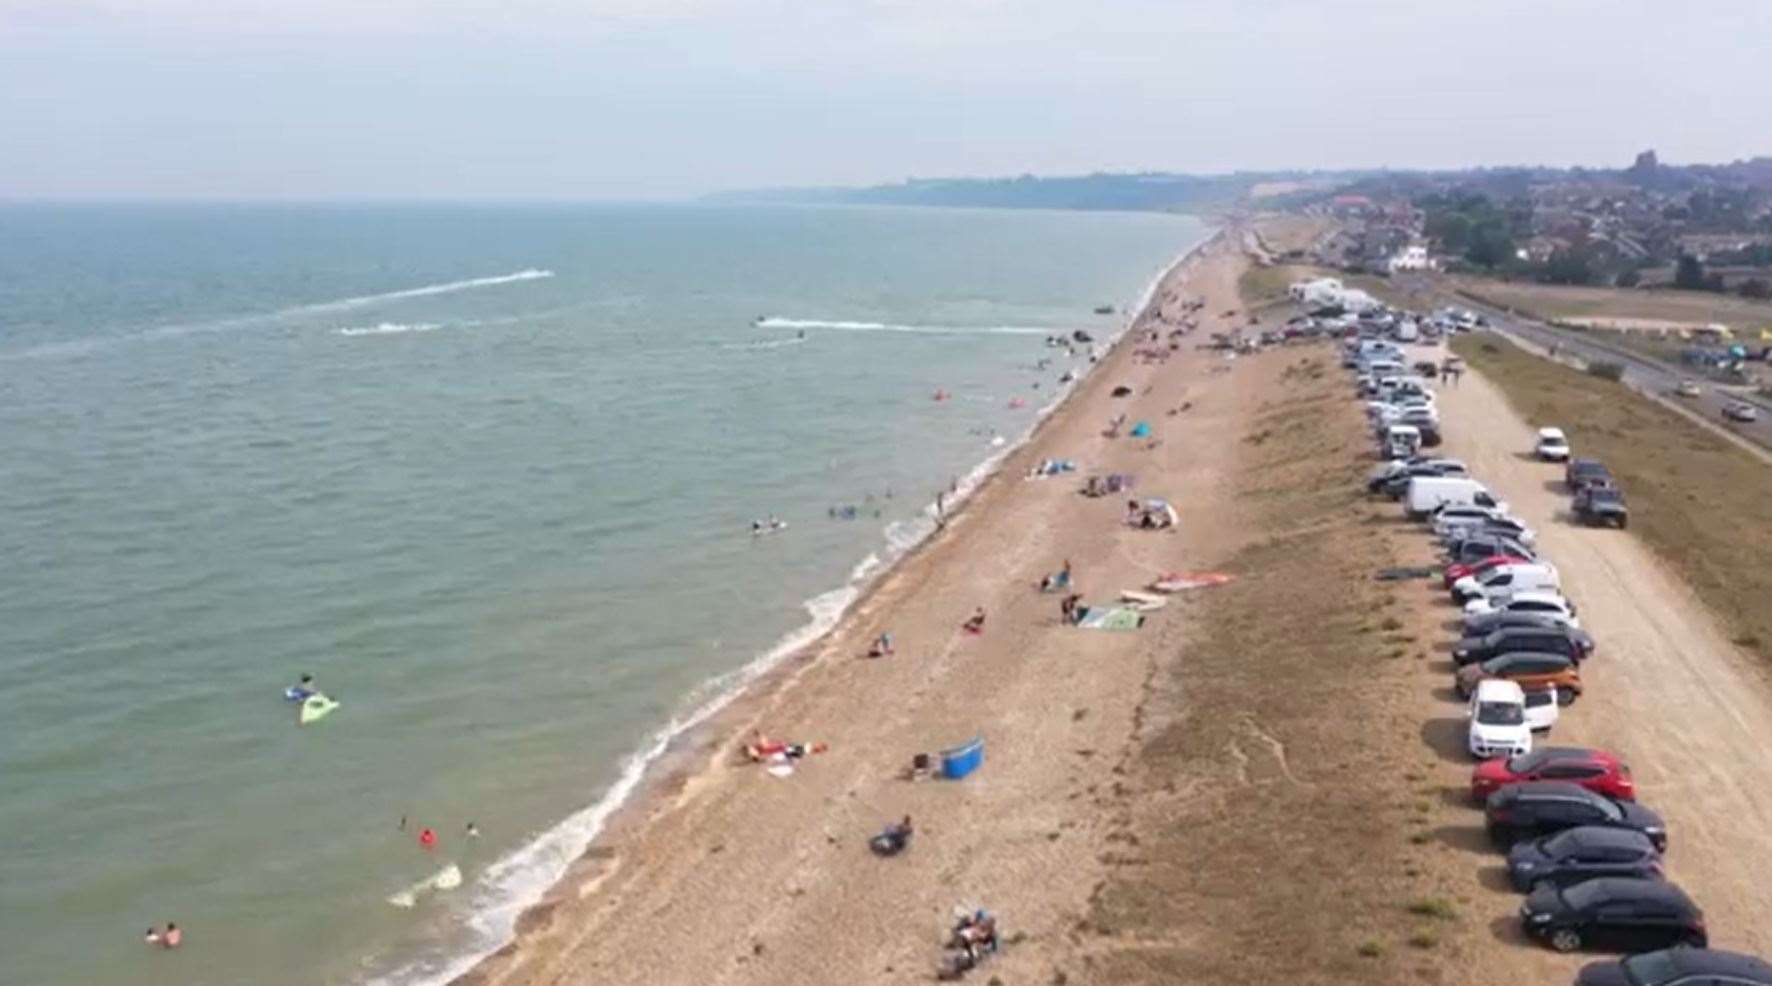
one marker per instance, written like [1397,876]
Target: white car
[1689,388]
[1548,602]
[1498,725]
[1552,445]
[1541,709]
[1510,580]
[1741,411]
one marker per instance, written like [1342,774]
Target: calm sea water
[488,473]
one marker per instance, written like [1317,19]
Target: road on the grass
[1642,373]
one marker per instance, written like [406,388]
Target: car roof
[1514,656]
[1550,433]
[1536,790]
[1596,836]
[1712,960]
[1613,888]
[1539,596]
[1499,690]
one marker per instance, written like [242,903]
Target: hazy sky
[555,98]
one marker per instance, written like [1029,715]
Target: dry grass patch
[1548,301]
[1265,806]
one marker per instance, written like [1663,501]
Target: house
[1412,257]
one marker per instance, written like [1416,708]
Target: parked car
[1615,913]
[1552,446]
[1526,601]
[1689,388]
[1529,670]
[1505,580]
[1741,411]
[1537,808]
[1600,505]
[1486,546]
[1537,638]
[1507,527]
[1425,494]
[1580,472]
[1497,716]
[1482,626]
[1678,967]
[1584,853]
[1478,567]
[1596,770]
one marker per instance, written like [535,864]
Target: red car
[1596,770]
[1456,572]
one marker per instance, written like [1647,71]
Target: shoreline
[678,757]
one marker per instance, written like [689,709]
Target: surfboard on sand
[314,708]
[447,878]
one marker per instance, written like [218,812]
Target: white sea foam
[389,329]
[521,878]
[764,343]
[941,330]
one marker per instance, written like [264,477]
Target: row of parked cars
[1586,855]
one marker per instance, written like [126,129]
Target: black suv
[1582,853]
[1535,808]
[1586,472]
[1602,505]
[1615,913]
[1679,967]
[1567,641]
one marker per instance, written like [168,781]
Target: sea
[489,473]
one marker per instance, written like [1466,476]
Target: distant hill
[1147,191]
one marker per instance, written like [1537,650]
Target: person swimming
[302,690]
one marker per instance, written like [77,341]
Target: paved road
[1642,373]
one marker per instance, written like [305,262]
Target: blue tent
[1141,430]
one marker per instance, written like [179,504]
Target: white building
[1411,257]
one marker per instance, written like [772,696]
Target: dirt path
[1666,689]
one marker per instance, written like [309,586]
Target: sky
[543,99]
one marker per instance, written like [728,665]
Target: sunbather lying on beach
[762,749]
[892,839]
[975,624]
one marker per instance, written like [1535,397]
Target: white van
[1526,577]
[1498,720]
[1401,441]
[1427,493]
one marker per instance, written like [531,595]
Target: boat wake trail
[389,329]
[530,274]
[939,330]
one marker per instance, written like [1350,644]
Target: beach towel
[1141,430]
[1181,581]
[1111,618]
[1144,602]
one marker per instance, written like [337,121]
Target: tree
[1689,273]
[1755,288]
[1629,279]
[1567,267]
[1489,246]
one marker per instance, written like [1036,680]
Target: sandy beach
[726,873]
